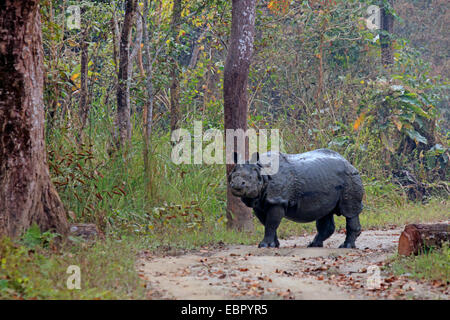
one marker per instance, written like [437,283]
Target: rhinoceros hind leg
[353,228]
[325,228]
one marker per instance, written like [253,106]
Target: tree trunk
[196,50]
[148,108]
[174,72]
[319,94]
[26,194]
[415,237]
[235,82]
[387,26]
[115,37]
[83,107]
[137,42]
[123,123]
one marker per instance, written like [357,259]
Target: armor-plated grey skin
[308,187]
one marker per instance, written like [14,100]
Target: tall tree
[387,28]
[83,107]
[26,194]
[123,123]
[148,108]
[174,72]
[235,81]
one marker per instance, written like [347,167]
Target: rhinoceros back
[315,182]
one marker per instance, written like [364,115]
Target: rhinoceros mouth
[245,193]
[237,193]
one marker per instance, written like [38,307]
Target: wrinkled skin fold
[311,186]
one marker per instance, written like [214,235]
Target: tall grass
[187,202]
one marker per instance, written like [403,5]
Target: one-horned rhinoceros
[307,187]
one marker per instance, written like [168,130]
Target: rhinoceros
[310,186]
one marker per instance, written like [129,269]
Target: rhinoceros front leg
[353,229]
[272,221]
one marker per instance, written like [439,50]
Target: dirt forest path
[290,272]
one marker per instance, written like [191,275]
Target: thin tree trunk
[174,72]
[83,107]
[196,50]
[27,194]
[115,36]
[148,108]
[319,94]
[137,42]
[123,123]
[235,82]
[387,25]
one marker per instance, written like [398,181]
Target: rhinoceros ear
[255,158]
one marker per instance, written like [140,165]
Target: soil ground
[289,272]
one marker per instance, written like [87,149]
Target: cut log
[415,237]
[87,231]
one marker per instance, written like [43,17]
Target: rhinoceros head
[246,180]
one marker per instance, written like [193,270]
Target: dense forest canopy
[120,76]
[94,95]
[315,74]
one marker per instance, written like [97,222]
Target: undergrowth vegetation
[315,76]
[434,265]
[188,201]
[35,267]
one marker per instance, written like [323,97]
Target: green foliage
[33,237]
[315,75]
[402,114]
[107,271]
[382,192]
[357,112]
[431,265]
